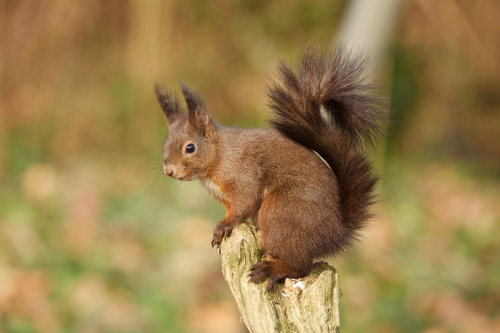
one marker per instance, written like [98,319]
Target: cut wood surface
[309,304]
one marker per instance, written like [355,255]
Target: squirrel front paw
[222,231]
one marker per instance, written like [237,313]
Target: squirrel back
[305,208]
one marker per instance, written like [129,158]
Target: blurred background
[93,238]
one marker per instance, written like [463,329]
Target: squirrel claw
[222,232]
[259,271]
[262,270]
[216,244]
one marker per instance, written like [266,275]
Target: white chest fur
[212,188]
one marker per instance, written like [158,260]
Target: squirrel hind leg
[285,239]
[277,270]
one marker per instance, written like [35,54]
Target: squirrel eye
[190,148]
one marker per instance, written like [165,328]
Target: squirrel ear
[169,103]
[197,112]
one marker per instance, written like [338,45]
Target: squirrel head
[190,147]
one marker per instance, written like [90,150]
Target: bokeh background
[93,238]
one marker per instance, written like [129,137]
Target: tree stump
[306,305]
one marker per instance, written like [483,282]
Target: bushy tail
[325,106]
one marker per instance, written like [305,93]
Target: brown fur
[304,207]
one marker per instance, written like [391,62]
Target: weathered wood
[307,305]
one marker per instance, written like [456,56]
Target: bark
[308,305]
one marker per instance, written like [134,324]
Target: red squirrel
[306,183]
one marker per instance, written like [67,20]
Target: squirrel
[307,183]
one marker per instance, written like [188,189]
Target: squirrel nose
[169,170]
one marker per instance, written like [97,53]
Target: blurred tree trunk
[144,42]
[369,26]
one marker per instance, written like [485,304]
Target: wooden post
[306,305]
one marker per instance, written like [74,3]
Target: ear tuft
[194,100]
[169,103]
[197,111]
